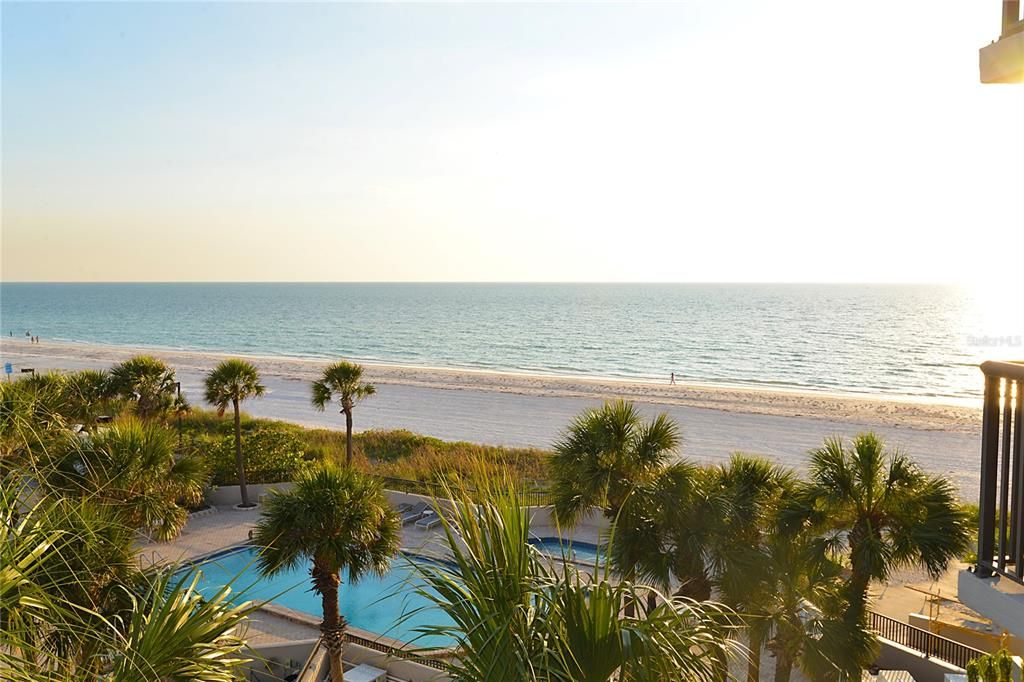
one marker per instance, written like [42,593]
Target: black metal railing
[529,498]
[927,643]
[1001,502]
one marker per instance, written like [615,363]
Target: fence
[529,498]
[927,643]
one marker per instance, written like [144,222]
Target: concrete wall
[272,663]
[396,667]
[278,660]
[229,495]
[892,656]
[981,636]
[592,528]
[999,599]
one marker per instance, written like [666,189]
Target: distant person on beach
[672,379]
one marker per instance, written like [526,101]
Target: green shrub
[395,453]
[997,667]
[271,455]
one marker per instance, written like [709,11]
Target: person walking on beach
[672,379]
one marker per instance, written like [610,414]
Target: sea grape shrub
[271,456]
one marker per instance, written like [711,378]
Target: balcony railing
[1001,505]
[928,643]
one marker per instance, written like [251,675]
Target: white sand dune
[530,410]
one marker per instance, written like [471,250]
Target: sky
[696,141]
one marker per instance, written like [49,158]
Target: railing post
[989,469]
[1017,505]
[1004,475]
[1011,15]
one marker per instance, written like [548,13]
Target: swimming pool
[581,552]
[373,604]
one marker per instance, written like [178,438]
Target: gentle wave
[923,341]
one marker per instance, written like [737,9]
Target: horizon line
[525,282]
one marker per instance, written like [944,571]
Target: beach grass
[394,453]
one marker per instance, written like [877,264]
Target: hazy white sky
[698,141]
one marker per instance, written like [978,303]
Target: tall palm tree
[883,509]
[604,455]
[519,615]
[341,522]
[232,382]
[132,467]
[149,384]
[342,381]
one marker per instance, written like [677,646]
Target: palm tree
[340,521]
[799,611]
[342,381]
[883,509]
[132,467]
[148,383]
[604,455]
[73,605]
[233,381]
[173,632]
[753,489]
[694,507]
[519,615]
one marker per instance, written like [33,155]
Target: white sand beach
[531,410]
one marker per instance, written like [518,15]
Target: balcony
[1003,60]
[995,588]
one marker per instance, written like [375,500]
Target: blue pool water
[581,552]
[373,604]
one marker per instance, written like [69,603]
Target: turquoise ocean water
[912,340]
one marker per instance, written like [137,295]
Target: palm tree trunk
[629,608]
[333,626]
[348,437]
[858,593]
[783,667]
[239,462]
[754,664]
[696,587]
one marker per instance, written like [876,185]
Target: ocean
[918,341]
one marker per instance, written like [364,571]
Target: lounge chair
[429,520]
[413,513]
[403,507]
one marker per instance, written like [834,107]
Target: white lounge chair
[429,520]
[414,513]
